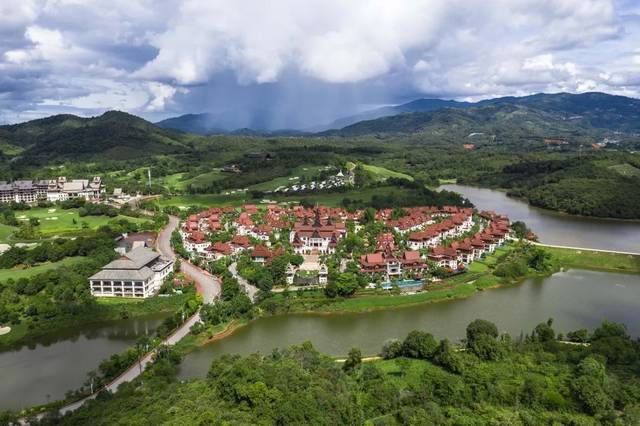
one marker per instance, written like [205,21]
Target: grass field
[334,199]
[626,170]
[584,259]
[5,232]
[306,172]
[54,221]
[17,273]
[205,200]
[200,181]
[330,199]
[172,181]
[381,173]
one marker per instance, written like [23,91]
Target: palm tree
[142,347]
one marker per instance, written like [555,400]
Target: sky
[304,63]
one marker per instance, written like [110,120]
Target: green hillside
[113,135]
[506,121]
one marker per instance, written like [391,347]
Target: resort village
[403,247]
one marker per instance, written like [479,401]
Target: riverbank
[595,260]
[479,278]
[105,310]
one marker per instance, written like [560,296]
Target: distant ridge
[536,115]
[113,135]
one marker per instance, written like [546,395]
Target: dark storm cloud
[299,64]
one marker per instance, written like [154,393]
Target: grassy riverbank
[479,277]
[601,261]
[104,310]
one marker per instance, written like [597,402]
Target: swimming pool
[401,283]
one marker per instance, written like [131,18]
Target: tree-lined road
[208,284]
[210,289]
[251,290]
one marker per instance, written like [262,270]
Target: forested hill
[113,135]
[542,115]
[599,110]
[458,124]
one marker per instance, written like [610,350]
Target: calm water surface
[575,299]
[556,228]
[60,361]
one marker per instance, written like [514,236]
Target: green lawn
[55,220]
[334,199]
[200,181]
[5,232]
[21,272]
[172,181]
[626,170]
[306,172]
[383,174]
[205,200]
[586,259]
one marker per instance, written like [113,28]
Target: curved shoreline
[526,201]
[232,327]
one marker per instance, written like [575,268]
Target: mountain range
[597,109]
[117,135]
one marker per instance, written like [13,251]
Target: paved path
[584,249]
[136,369]
[251,290]
[208,285]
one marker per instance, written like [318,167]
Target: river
[557,228]
[60,361]
[574,299]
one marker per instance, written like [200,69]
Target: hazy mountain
[258,120]
[419,105]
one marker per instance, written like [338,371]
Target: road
[585,249]
[136,369]
[209,287]
[251,290]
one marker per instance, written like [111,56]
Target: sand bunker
[4,330]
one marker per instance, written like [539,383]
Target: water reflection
[575,299]
[556,228]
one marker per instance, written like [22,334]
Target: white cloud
[141,55]
[162,93]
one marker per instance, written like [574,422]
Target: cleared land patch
[22,272]
[382,173]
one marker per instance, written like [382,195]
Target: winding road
[208,286]
[251,290]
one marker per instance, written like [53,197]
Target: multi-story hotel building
[138,273]
[32,191]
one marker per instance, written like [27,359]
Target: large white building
[316,238]
[23,191]
[138,273]
[60,189]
